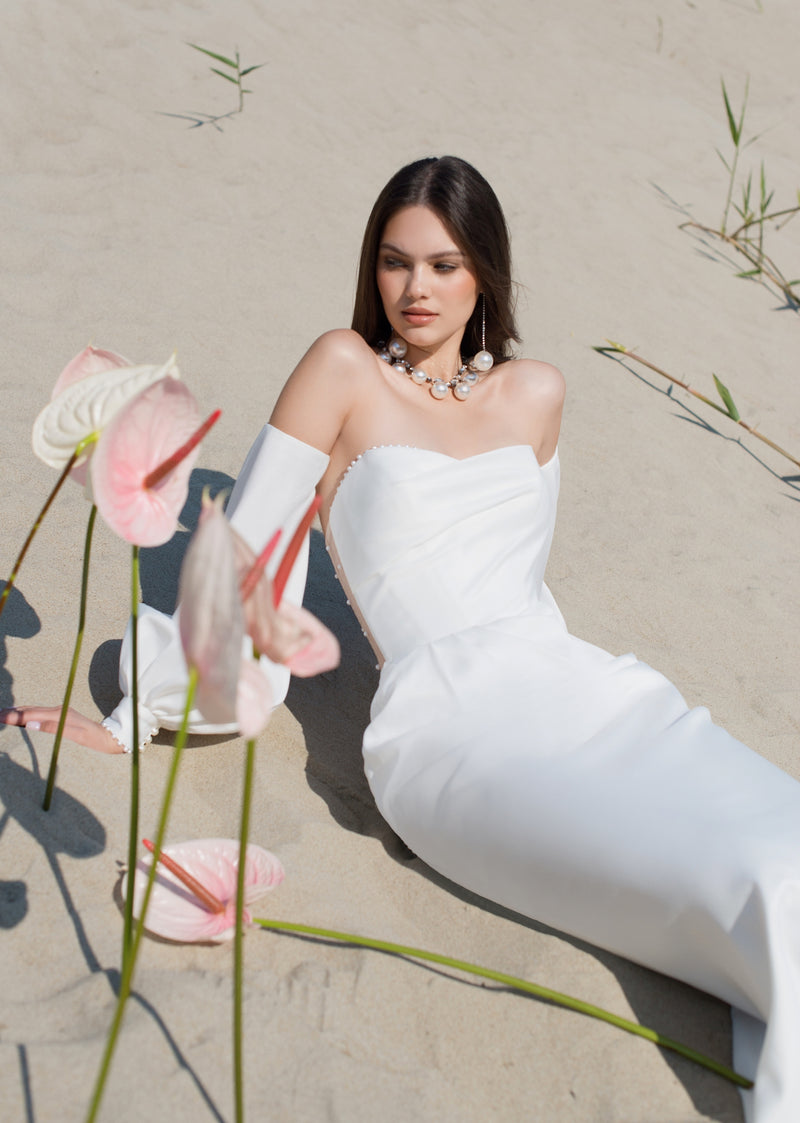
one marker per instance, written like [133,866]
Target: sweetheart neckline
[435,452]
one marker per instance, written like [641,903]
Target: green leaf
[728,167]
[725,394]
[211,54]
[734,131]
[750,272]
[250,69]
[227,77]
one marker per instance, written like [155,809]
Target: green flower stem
[517,984]
[129,964]
[133,829]
[238,945]
[87,551]
[79,450]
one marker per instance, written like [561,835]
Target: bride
[570,785]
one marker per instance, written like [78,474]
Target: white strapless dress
[522,763]
[567,784]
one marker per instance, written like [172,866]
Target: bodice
[428,545]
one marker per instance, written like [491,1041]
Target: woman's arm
[319,395]
[538,391]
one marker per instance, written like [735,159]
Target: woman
[519,761]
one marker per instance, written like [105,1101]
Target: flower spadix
[176,913]
[144,457]
[210,618]
[86,403]
[283,632]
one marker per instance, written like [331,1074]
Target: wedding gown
[539,771]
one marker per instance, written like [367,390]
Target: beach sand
[235,242]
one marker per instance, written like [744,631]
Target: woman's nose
[417,283]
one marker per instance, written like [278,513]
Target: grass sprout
[234,66]
[754,213]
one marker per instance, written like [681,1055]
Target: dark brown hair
[466,204]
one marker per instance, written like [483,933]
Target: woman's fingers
[33,717]
[82,730]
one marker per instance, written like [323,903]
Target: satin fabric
[570,785]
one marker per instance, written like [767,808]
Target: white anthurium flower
[87,406]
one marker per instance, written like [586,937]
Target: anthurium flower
[91,360]
[210,617]
[253,699]
[86,404]
[284,632]
[144,457]
[176,913]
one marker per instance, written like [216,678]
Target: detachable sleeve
[274,488]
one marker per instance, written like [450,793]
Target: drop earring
[483,361]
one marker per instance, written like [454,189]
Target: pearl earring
[483,361]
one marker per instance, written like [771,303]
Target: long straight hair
[469,209]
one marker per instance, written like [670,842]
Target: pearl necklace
[467,375]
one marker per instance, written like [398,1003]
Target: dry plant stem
[516,984]
[618,349]
[238,944]
[79,450]
[760,221]
[757,258]
[126,977]
[133,827]
[87,551]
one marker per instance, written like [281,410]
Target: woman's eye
[392,263]
[445,267]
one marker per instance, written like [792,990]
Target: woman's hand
[82,730]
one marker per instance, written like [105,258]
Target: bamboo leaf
[728,167]
[750,272]
[735,134]
[725,394]
[250,69]
[211,54]
[227,77]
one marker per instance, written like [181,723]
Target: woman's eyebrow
[431,257]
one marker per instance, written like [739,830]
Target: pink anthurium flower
[144,457]
[91,360]
[253,699]
[86,404]
[210,616]
[176,913]
[283,632]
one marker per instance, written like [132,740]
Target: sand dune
[132,219]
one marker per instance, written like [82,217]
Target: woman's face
[427,285]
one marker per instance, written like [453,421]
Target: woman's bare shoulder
[538,379]
[534,396]
[340,343]
[323,387]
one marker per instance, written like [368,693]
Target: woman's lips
[418,316]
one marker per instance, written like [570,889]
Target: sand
[235,242]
